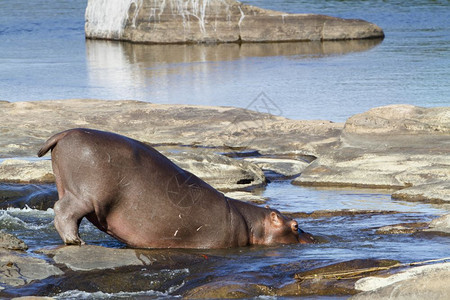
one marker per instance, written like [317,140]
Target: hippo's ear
[275,219]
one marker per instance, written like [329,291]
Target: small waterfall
[107,18]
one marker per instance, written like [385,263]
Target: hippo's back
[140,196]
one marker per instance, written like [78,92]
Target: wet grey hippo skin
[137,195]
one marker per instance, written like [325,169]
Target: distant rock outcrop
[213,21]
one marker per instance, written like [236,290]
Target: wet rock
[285,167]
[126,282]
[394,146]
[335,279]
[440,225]
[89,257]
[404,228]
[214,21]
[11,242]
[434,193]
[222,172]
[228,289]
[424,282]
[17,270]
[110,270]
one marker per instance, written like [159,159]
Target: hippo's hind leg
[69,212]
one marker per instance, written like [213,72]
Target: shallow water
[342,237]
[43,55]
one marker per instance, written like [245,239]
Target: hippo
[137,195]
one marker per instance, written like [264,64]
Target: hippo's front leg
[69,212]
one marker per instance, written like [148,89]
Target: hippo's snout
[305,238]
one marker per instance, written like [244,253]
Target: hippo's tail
[51,143]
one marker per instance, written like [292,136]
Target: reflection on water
[148,55]
[196,71]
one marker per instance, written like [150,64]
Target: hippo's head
[280,229]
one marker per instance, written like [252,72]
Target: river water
[43,55]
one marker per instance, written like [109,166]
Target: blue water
[43,55]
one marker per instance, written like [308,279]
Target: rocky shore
[402,147]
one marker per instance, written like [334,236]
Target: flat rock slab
[437,225]
[89,257]
[438,192]
[196,126]
[160,124]
[396,146]
[17,269]
[214,21]
[424,282]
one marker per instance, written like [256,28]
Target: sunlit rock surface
[213,21]
[424,282]
[395,146]
[399,146]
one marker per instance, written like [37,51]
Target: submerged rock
[89,257]
[228,289]
[404,228]
[214,21]
[334,279]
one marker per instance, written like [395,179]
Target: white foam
[11,218]
[77,294]
[29,210]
